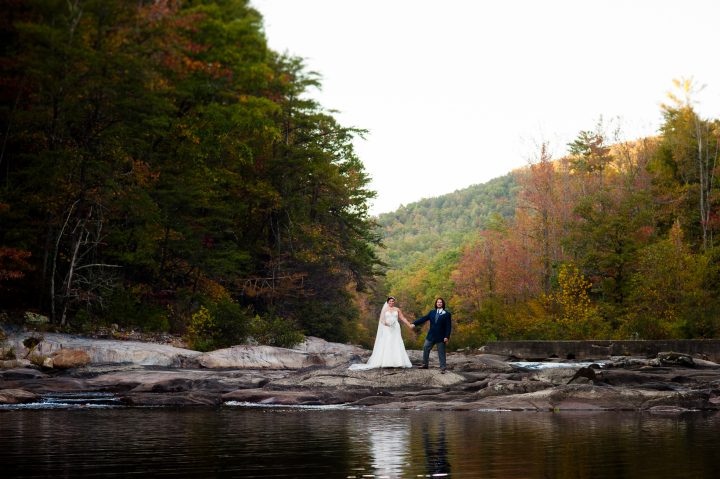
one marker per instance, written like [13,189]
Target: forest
[613,240]
[163,169]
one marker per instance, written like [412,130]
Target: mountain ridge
[432,225]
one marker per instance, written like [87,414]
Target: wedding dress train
[389,350]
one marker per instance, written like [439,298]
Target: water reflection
[401,444]
[242,442]
[389,445]
[435,446]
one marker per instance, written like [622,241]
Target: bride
[389,350]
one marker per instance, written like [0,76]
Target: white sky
[457,92]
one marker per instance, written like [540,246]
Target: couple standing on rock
[389,350]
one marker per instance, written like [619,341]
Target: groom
[439,333]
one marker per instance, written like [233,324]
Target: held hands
[413,329]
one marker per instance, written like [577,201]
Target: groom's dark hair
[440,299]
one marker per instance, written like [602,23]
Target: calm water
[272,442]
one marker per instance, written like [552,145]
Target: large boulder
[670,358]
[17,396]
[105,351]
[332,354]
[70,358]
[259,357]
[311,352]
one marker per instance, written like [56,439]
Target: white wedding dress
[389,350]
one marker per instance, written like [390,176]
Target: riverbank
[315,373]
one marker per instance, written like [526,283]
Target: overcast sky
[457,92]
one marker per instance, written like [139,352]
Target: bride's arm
[402,318]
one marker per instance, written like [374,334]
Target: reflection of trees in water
[570,445]
[297,443]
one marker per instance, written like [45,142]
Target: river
[351,443]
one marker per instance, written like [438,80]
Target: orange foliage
[13,263]
[499,265]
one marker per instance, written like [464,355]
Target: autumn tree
[543,210]
[160,157]
[669,297]
[572,311]
[686,164]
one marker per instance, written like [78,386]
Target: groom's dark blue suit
[440,325]
[440,329]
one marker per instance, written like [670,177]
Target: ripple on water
[327,407]
[252,442]
[94,400]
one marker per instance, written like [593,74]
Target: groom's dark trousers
[427,346]
[440,328]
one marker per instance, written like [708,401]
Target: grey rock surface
[102,351]
[316,373]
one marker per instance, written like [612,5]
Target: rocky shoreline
[315,373]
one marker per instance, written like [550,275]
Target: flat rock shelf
[316,373]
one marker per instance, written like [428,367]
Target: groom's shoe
[423,366]
[443,370]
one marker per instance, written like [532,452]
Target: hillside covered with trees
[614,240]
[161,168]
[424,228]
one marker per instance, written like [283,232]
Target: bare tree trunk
[71,270]
[55,260]
[702,178]
[706,161]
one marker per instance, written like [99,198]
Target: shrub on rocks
[38,360]
[35,319]
[275,331]
[220,324]
[7,354]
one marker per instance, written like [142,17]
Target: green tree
[686,166]
[161,150]
[668,296]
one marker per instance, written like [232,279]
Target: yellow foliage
[214,290]
[570,306]
[201,327]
